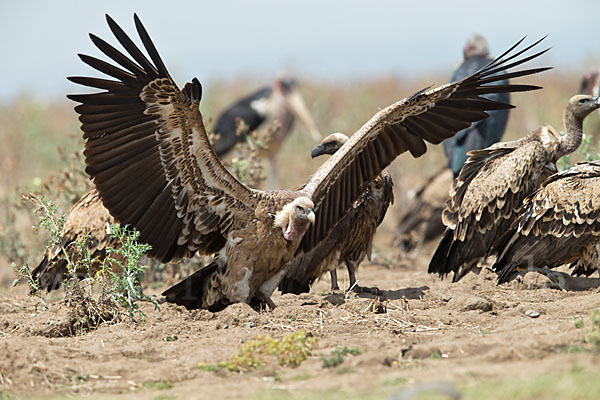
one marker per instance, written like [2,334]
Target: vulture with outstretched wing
[487,197]
[148,153]
[560,225]
[87,222]
[350,240]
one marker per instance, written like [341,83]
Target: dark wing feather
[429,115]
[149,156]
[480,134]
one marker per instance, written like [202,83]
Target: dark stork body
[483,133]
[226,126]
[590,83]
[350,241]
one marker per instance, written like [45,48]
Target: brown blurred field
[483,346]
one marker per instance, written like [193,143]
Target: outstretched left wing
[149,156]
[428,115]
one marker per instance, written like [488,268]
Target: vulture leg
[556,277]
[260,302]
[352,267]
[334,281]
[559,279]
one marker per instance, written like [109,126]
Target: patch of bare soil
[421,329]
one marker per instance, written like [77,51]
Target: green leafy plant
[125,288]
[122,288]
[289,351]
[337,356]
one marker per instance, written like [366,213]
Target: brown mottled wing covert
[561,221]
[428,115]
[149,156]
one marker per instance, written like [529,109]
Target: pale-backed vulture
[351,239]
[488,195]
[560,225]
[148,153]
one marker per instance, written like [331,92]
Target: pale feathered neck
[282,218]
[572,139]
[292,228]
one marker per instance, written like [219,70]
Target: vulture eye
[330,143]
[583,101]
[299,208]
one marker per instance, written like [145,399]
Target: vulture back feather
[560,225]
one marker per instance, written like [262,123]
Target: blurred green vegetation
[577,383]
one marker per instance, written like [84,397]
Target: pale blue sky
[323,40]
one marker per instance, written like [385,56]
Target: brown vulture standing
[488,195]
[560,225]
[88,221]
[350,240]
[149,156]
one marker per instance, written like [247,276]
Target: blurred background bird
[422,220]
[280,105]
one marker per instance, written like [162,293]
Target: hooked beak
[311,216]
[298,107]
[317,150]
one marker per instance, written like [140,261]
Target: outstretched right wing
[426,116]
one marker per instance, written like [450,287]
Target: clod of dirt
[421,352]
[337,299]
[470,303]
[532,313]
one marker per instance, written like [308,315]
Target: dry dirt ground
[423,330]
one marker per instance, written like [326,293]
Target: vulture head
[582,105]
[329,145]
[295,217]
